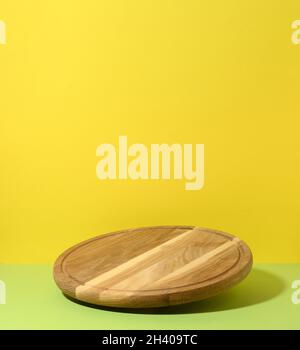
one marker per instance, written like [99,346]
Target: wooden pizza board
[152,266]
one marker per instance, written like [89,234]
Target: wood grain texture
[152,266]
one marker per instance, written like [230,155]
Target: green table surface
[262,301]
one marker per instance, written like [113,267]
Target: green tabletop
[263,300]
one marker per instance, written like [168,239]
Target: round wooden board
[152,266]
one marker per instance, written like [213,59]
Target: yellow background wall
[75,74]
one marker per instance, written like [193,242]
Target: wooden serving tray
[152,266]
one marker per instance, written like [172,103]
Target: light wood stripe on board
[154,252]
[139,281]
[100,280]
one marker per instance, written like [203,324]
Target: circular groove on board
[152,266]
